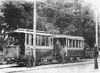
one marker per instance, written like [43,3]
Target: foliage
[74,18]
[53,16]
[12,15]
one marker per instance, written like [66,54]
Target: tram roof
[30,31]
[69,37]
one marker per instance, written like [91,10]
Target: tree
[57,17]
[75,18]
[12,14]
[2,26]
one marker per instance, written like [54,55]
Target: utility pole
[96,27]
[96,42]
[34,33]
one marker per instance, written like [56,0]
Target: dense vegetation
[56,17]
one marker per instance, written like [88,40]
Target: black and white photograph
[49,36]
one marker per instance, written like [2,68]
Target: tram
[45,43]
[74,46]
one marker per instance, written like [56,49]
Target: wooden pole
[34,33]
[96,41]
[96,29]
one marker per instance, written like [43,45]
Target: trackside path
[9,69]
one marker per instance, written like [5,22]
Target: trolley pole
[34,33]
[96,42]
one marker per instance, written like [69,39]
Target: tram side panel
[75,53]
[43,55]
[75,48]
[44,47]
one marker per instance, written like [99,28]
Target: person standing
[29,60]
[57,48]
[62,54]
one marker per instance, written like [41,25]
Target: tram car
[74,46]
[45,43]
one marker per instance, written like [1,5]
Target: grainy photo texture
[49,36]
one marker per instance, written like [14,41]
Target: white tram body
[74,45]
[45,43]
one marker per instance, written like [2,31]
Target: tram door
[60,52]
[21,41]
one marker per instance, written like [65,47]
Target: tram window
[73,43]
[47,43]
[27,39]
[70,44]
[51,42]
[67,42]
[43,41]
[76,43]
[37,40]
[82,43]
[31,39]
[79,43]
[40,40]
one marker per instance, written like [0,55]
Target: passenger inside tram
[59,50]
